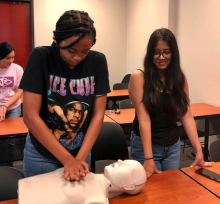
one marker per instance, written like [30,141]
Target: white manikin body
[52,188]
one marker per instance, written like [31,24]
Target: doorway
[16,27]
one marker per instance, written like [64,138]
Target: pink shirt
[10,79]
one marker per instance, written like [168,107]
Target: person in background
[10,77]
[10,94]
[160,94]
[57,75]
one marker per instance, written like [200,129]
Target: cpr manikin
[123,176]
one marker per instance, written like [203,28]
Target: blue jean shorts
[35,163]
[14,113]
[165,158]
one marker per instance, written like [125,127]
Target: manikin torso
[90,190]
[52,188]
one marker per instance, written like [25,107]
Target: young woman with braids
[65,90]
[160,94]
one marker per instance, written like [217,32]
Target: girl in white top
[10,77]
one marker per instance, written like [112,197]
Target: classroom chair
[126,78]
[110,144]
[125,104]
[119,86]
[214,151]
[186,142]
[9,177]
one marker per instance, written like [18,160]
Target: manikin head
[126,176]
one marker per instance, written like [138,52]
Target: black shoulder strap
[141,70]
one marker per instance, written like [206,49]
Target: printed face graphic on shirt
[74,113]
[6,82]
[66,121]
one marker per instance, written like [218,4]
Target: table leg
[206,149]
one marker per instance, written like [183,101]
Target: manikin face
[164,59]
[75,54]
[125,174]
[6,62]
[74,114]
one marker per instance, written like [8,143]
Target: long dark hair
[5,49]
[74,23]
[174,77]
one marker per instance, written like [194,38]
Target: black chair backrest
[125,104]
[214,151]
[126,78]
[9,177]
[110,144]
[120,86]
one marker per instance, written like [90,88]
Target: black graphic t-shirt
[67,94]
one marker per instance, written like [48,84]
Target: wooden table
[169,187]
[115,95]
[118,93]
[14,201]
[12,150]
[12,127]
[205,111]
[107,119]
[125,118]
[15,126]
[199,111]
[211,185]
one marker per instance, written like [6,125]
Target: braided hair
[74,23]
